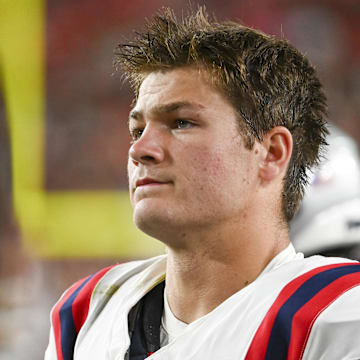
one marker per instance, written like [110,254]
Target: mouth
[149,182]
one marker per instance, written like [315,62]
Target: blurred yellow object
[53,224]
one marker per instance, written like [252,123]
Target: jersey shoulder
[301,304]
[85,299]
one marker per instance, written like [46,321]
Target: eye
[136,134]
[182,124]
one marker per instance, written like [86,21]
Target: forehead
[182,85]
[183,77]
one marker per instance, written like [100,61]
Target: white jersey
[296,309]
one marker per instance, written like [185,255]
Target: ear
[276,153]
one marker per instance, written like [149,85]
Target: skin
[215,204]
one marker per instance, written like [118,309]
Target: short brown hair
[267,80]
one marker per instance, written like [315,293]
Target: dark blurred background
[64,211]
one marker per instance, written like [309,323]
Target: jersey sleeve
[297,325]
[336,332]
[69,315]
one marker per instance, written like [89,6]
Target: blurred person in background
[226,125]
[328,221]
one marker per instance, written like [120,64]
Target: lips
[148,181]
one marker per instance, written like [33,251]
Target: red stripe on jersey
[259,344]
[307,315]
[80,307]
[56,317]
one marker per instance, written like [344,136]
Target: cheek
[212,168]
[208,171]
[219,175]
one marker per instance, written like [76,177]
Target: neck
[216,264]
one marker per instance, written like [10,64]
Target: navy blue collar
[144,322]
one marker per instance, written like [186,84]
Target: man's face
[188,166]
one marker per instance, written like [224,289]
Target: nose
[149,148]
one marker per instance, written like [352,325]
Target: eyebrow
[165,109]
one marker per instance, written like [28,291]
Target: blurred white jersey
[296,309]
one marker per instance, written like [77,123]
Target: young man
[226,124]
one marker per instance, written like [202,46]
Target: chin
[153,220]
